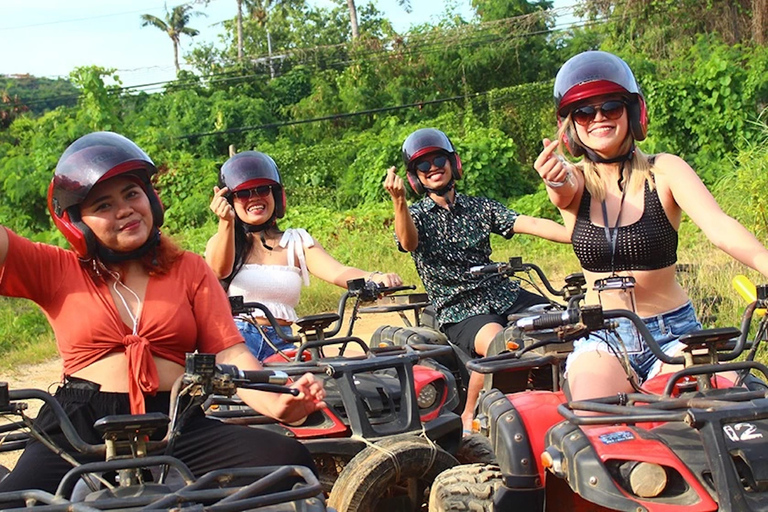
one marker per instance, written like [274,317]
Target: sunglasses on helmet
[426,164]
[611,109]
[260,191]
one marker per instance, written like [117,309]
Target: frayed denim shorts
[666,328]
[256,343]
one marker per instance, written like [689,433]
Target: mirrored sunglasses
[611,109]
[260,191]
[426,164]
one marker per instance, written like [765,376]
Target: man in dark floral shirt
[446,234]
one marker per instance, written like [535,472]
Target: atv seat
[718,338]
[124,427]
[316,323]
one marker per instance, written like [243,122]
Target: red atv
[689,440]
[388,430]
[427,331]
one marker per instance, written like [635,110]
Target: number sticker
[742,432]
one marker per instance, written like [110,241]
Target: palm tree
[175,24]
[353,19]
[405,4]
[239,30]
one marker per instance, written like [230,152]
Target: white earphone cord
[134,318]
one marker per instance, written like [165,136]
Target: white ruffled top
[277,286]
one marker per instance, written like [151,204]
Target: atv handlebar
[201,373]
[594,318]
[574,283]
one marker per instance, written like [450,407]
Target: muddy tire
[465,488]
[475,448]
[371,481]
[3,471]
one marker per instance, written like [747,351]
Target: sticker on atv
[742,432]
[616,437]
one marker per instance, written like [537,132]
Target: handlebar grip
[747,290]
[394,289]
[548,320]
[254,376]
[492,268]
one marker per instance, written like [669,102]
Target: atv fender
[517,425]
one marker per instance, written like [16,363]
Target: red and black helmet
[425,141]
[90,159]
[595,73]
[250,169]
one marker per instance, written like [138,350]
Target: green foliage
[23,330]
[490,166]
[186,188]
[703,112]
[99,106]
[39,94]
[742,192]
[536,205]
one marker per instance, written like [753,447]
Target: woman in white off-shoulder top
[257,260]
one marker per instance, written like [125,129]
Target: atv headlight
[646,479]
[427,396]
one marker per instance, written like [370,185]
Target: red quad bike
[475,448]
[689,440]
[140,472]
[388,430]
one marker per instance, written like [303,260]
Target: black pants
[463,333]
[204,444]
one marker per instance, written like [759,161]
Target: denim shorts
[255,341]
[666,328]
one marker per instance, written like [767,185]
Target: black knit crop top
[648,244]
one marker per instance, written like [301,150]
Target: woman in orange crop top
[125,305]
[248,204]
[623,210]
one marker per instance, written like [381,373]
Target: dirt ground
[45,375]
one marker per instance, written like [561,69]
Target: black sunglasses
[611,109]
[427,163]
[260,191]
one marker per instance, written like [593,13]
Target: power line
[432,46]
[331,117]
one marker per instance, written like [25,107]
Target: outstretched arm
[220,249]
[543,228]
[405,229]
[327,268]
[282,407]
[3,245]
[697,202]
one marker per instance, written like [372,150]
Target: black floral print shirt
[452,241]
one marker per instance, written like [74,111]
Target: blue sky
[52,37]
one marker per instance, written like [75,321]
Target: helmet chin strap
[443,192]
[109,256]
[624,157]
[260,228]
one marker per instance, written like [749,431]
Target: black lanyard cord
[612,235]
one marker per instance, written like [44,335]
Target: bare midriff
[111,372]
[656,291]
[265,321]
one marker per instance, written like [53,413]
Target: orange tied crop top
[183,311]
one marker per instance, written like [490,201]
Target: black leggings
[204,444]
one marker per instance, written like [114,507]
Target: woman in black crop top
[623,209]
